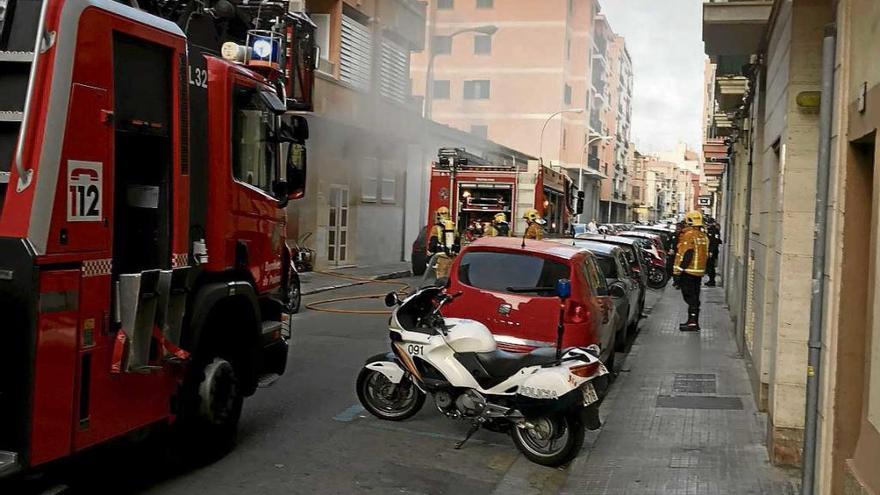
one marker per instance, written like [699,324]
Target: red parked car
[510,289]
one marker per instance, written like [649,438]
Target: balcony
[729,92]
[407,19]
[734,27]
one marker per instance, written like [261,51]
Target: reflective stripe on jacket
[692,239]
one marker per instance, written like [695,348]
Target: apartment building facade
[370,149]
[611,117]
[508,85]
[776,160]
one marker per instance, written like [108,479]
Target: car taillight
[576,313]
[585,370]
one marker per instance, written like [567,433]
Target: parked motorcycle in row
[543,399]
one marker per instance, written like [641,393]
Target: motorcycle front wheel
[386,400]
[549,440]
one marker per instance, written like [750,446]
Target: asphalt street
[308,434]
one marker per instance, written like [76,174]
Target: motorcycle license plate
[590,394]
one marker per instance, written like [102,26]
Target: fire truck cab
[142,228]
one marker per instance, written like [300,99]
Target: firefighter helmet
[441,214]
[500,217]
[693,219]
[532,216]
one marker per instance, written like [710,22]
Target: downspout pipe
[817,300]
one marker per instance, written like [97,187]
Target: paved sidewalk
[315,282]
[681,418]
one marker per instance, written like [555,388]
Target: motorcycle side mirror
[391,299]
[563,288]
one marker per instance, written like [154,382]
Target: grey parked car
[622,286]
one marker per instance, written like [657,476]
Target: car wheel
[419,264]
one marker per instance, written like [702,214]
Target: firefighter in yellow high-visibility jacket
[534,222]
[498,227]
[690,266]
[443,244]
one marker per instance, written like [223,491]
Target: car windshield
[509,272]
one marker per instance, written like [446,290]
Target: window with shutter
[395,71]
[355,61]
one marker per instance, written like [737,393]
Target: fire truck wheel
[207,427]
[220,397]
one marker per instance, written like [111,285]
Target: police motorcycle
[543,399]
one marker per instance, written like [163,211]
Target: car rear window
[500,272]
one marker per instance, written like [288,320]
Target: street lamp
[488,30]
[541,142]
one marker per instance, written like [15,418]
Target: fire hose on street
[321,305]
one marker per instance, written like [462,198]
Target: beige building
[771,54]
[484,61]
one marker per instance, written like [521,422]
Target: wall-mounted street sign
[705,200]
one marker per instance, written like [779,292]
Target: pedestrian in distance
[714,234]
[592,227]
[690,266]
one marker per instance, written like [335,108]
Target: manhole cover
[699,402]
[694,383]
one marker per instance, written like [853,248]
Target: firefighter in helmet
[442,233]
[534,222]
[690,266]
[499,226]
[443,243]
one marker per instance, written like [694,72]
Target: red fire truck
[143,179]
[476,189]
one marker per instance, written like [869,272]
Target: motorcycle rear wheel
[386,400]
[551,440]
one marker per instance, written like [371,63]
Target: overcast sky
[664,38]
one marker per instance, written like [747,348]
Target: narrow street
[680,418]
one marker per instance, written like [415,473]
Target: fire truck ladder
[18,31]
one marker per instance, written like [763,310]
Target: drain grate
[699,402]
[694,383]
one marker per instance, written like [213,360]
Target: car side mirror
[616,291]
[392,299]
[563,288]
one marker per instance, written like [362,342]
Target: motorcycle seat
[502,364]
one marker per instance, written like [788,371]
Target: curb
[382,276]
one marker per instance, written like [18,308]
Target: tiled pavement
[681,418]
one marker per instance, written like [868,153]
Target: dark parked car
[638,263]
[614,265]
[665,234]
[658,275]
[420,256]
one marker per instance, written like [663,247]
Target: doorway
[337,227]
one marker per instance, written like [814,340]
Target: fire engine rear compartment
[143,156]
